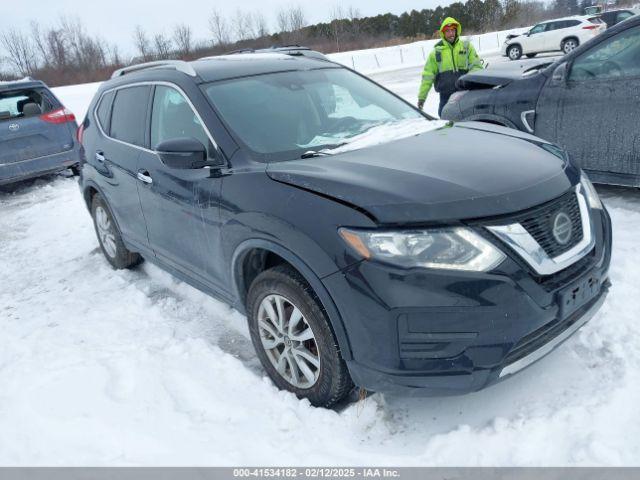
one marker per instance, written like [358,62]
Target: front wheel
[293,338]
[514,52]
[569,45]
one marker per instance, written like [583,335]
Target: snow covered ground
[103,367]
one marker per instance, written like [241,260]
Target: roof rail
[179,65]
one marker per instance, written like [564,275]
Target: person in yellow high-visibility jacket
[448,61]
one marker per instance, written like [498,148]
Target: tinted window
[129,115]
[172,117]
[571,23]
[616,57]
[623,16]
[104,111]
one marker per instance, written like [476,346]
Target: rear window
[103,111]
[129,114]
[571,23]
[13,103]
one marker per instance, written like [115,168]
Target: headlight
[593,199]
[448,248]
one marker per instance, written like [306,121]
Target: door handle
[144,177]
[100,157]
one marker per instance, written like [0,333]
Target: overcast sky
[115,20]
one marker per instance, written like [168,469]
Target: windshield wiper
[314,153]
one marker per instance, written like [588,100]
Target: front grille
[539,223]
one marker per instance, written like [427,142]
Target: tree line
[65,53]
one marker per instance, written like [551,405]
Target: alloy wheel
[289,341]
[514,53]
[570,45]
[105,232]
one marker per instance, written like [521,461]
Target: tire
[569,45]
[531,55]
[514,52]
[321,375]
[75,170]
[109,236]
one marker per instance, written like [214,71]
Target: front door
[181,207]
[597,106]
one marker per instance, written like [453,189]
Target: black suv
[367,243]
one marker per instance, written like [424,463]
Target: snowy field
[103,367]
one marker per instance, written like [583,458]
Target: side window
[570,23]
[172,117]
[616,57]
[623,16]
[538,28]
[103,112]
[129,115]
[551,26]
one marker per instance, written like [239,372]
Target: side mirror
[559,76]
[183,153]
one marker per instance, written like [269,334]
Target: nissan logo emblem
[562,228]
[14,127]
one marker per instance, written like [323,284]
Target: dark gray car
[37,134]
[587,102]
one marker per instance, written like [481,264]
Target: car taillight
[62,115]
[590,27]
[80,133]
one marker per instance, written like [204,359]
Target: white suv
[563,34]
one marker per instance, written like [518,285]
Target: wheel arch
[493,119]
[254,256]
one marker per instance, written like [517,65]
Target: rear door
[38,131]
[122,115]
[553,35]
[598,105]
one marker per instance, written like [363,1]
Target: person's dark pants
[444,98]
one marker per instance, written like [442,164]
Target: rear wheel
[569,45]
[293,338]
[109,237]
[514,52]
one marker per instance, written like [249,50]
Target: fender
[308,274]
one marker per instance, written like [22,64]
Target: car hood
[502,74]
[461,171]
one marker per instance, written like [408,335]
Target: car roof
[212,69]
[20,84]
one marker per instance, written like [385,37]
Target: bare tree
[219,28]
[297,18]
[282,20]
[162,46]
[145,50]
[242,24]
[337,24]
[291,20]
[20,51]
[183,38]
[260,28]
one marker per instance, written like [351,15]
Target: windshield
[283,115]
